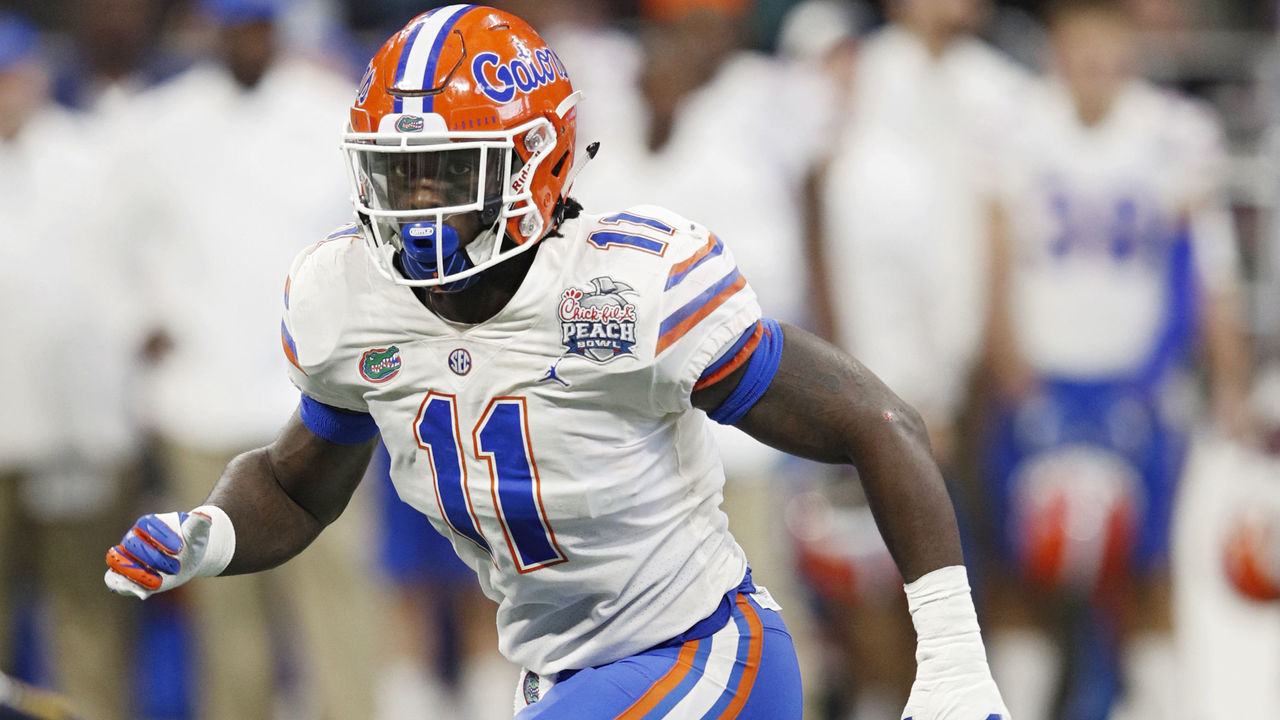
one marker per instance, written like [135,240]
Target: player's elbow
[907,422]
[892,427]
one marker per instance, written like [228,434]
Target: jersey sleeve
[707,308]
[315,313]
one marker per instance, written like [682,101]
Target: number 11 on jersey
[501,440]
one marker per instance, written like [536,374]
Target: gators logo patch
[530,688]
[380,364]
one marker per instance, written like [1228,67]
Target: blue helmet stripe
[404,61]
[428,77]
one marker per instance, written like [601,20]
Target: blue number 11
[501,438]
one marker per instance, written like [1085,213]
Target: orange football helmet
[460,145]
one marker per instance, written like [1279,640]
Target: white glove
[161,552]
[953,681]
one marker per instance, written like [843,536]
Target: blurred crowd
[1050,226]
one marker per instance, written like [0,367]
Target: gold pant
[91,628]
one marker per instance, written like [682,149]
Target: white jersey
[1093,215]
[555,444]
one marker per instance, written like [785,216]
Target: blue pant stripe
[679,691]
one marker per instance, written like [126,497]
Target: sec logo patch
[460,361]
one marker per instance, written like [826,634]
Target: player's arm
[281,496]
[812,400]
[824,405]
[269,504]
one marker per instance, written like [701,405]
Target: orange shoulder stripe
[693,259]
[671,336]
[743,355]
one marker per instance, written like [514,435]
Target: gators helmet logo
[410,123]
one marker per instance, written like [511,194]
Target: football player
[537,374]
[1115,237]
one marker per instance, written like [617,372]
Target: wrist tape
[221,544]
[945,620]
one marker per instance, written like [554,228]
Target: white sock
[1026,667]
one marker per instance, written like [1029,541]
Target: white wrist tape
[221,545]
[945,620]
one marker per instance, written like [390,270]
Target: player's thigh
[747,670]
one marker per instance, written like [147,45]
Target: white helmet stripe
[426,45]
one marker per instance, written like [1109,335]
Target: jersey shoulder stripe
[733,358]
[681,270]
[348,230]
[696,306]
[684,318]
[290,346]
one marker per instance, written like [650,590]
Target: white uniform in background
[67,320]
[905,209]
[237,181]
[741,148]
[618,115]
[541,441]
[1091,215]
[67,433]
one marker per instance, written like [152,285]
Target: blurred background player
[221,222]
[1115,256]
[111,52]
[906,203]
[907,200]
[68,441]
